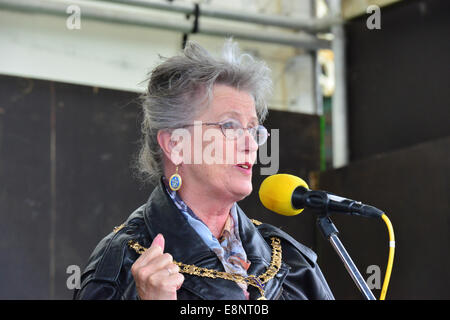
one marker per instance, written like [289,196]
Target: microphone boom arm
[330,232]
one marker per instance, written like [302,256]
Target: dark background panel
[24,188]
[397,77]
[97,135]
[411,185]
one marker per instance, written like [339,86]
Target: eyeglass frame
[221,123]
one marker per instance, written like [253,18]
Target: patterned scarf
[228,247]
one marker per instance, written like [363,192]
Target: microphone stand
[330,232]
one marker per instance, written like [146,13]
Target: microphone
[289,195]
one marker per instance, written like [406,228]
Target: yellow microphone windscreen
[276,191]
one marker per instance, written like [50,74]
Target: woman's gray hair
[179,87]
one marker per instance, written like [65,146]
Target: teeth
[243,166]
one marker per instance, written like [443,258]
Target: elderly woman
[191,240]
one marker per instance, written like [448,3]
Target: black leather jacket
[108,272]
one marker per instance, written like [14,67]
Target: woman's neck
[213,212]
[212,208]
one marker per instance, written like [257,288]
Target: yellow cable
[390,258]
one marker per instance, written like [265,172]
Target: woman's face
[226,164]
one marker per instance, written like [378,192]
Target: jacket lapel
[260,254]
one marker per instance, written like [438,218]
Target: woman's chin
[242,183]
[242,190]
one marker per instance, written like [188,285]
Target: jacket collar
[185,245]
[181,240]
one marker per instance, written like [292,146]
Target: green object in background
[323,159]
[325,135]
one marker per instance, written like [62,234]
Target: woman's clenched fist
[155,274]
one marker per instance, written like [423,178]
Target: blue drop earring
[175,181]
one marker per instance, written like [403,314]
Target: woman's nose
[248,141]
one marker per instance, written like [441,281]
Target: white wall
[119,56]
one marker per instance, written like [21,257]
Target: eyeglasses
[233,129]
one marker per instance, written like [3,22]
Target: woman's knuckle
[168,256]
[153,278]
[180,277]
[134,269]
[141,273]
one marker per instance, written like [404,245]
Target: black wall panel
[65,176]
[397,77]
[24,188]
[97,134]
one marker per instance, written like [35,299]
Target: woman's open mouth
[245,167]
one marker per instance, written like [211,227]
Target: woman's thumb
[159,241]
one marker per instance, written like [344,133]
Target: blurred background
[361,102]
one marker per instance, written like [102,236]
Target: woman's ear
[170,146]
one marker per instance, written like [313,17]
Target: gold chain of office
[255,281]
